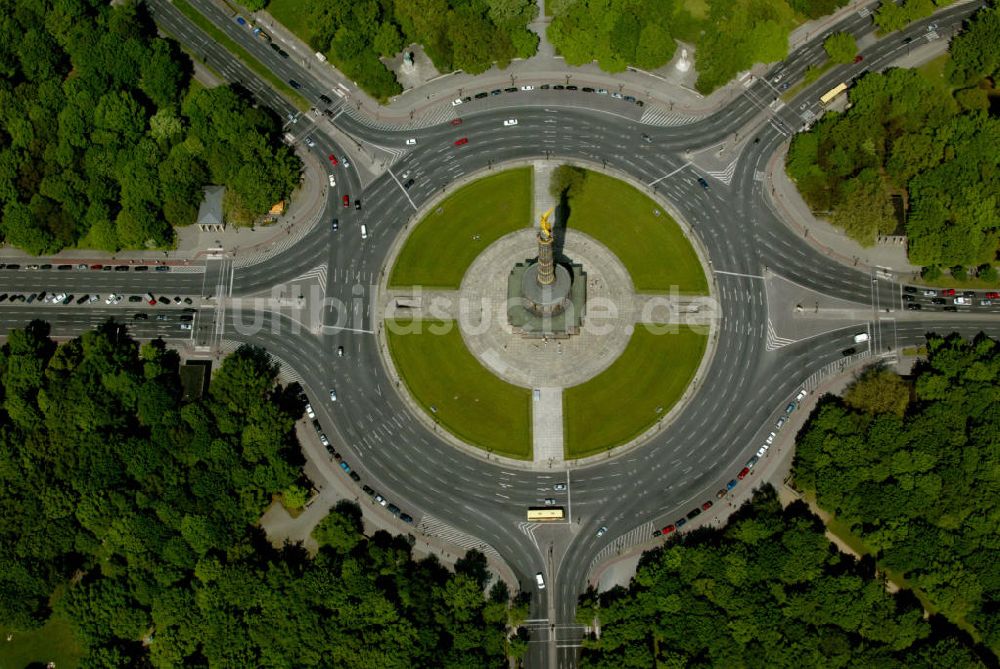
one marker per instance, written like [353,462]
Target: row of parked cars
[45,297]
[948,298]
[80,266]
[544,87]
[768,441]
[334,455]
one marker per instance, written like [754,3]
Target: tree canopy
[99,146]
[920,484]
[456,35]
[767,590]
[912,137]
[728,35]
[141,512]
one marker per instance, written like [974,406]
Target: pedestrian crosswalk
[655,115]
[633,537]
[774,342]
[188,269]
[435,115]
[724,175]
[435,527]
[255,256]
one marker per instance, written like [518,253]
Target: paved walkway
[547,427]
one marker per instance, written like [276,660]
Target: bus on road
[830,95]
[548,513]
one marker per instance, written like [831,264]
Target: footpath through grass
[449,238]
[640,387]
[467,399]
[652,247]
[250,61]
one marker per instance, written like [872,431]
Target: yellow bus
[547,513]
[829,96]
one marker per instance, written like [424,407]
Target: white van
[364,231]
[540,580]
[861,337]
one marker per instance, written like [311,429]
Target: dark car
[368,490]
[3,298]
[694,513]
[135,298]
[951,308]
[393,509]
[680,522]
[357,204]
[908,298]
[907,40]
[282,53]
[909,289]
[13,266]
[913,306]
[968,293]
[588,89]
[480,96]
[82,299]
[46,266]
[275,46]
[187,318]
[848,351]
[326,99]
[355,476]
[512,89]
[335,224]
[558,87]
[163,268]
[164,300]
[121,268]
[294,84]
[408,183]
[703,183]
[142,268]
[141,317]
[938,300]
[571,88]
[406,518]
[496,91]
[64,267]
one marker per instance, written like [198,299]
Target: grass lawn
[623,400]
[653,248]
[468,400]
[54,642]
[292,15]
[445,242]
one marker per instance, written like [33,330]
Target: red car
[858,58]
[346,200]
[667,530]
[992,296]
[743,473]
[97,267]
[707,505]
[460,142]
[456,121]
[333,159]
[947,292]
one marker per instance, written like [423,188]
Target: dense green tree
[916,484]
[840,47]
[766,590]
[90,108]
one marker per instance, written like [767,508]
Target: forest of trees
[912,467]
[931,143]
[768,590]
[135,515]
[456,35]
[101,146]
[729,35]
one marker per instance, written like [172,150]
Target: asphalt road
[732,409]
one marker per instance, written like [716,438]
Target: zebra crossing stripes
[188,269]
[633,537]
[774,342]
[433,116]
[318,273]
[726,175]
[435,527]
[654,115]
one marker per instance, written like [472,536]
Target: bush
[959,273]
[930,273]
[988,273]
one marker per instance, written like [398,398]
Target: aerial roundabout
[543,323]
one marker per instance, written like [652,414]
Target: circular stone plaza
[541,326]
